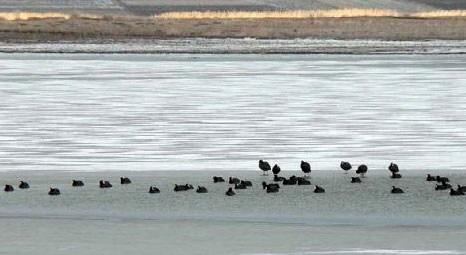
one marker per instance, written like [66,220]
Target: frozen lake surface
[93,116]
[224,112]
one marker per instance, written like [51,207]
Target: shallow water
[223,112]
[347,219]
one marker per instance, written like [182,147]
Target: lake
[167,119]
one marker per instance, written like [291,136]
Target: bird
[23,185]
[362,170]
[456,192]
[393,168]
[54,192]
[218,179]
[233,180]
[346,166]
[396,190]
[270,188]
[442,179]
[355,180]
[264,166]
[182,187]
[104,184]
[77,183]
[8,188]
[319,189]
[443,186]
[125,180]
[276,169]
[305,167]
[230,192]
[303,181]
[153,190]
[246,183]
[395,176]
[201,189]
[430,178]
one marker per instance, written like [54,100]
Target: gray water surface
[224,112]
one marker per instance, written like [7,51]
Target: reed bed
[302,14]
[440,14]
[292,14]
[12,16]
[297,14]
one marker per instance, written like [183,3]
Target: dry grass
[298,14]
[440,14]
[294,14]
[12,16]
[302,14]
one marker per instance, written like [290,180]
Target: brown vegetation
[431,25]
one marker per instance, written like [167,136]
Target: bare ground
[321,28]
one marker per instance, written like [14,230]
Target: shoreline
[237,46]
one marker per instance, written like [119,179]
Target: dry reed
[12,16]
[292,14]
[302,14]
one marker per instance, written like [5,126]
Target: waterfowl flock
[441,183]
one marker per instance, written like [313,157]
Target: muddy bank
[74,29]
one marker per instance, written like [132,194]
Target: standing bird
[306,168]
[393,168]
[362,170]
[345,166]
[276,169]
[264,166]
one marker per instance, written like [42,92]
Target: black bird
[303,181]
[184,187]
[271,185]
[355,180]
[319,189]
[104,184]
[23,185]
[125,180]
[218,179]
[234,180]
[395,176]
[272,189]
[443,186]
[264,166]
[441,179]
[293,180]
[276,169]
[393,168]
[230,192]
[346,166]
[153,190]
[201,189]
[456,192]
[77,183]
[246,183]
[54,192]
[277,178]
[462,188]
[430,178]
[8,188]
[396,190]
[362,170]
[305,167]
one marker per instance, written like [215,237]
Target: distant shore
[120,28]
[235,46]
